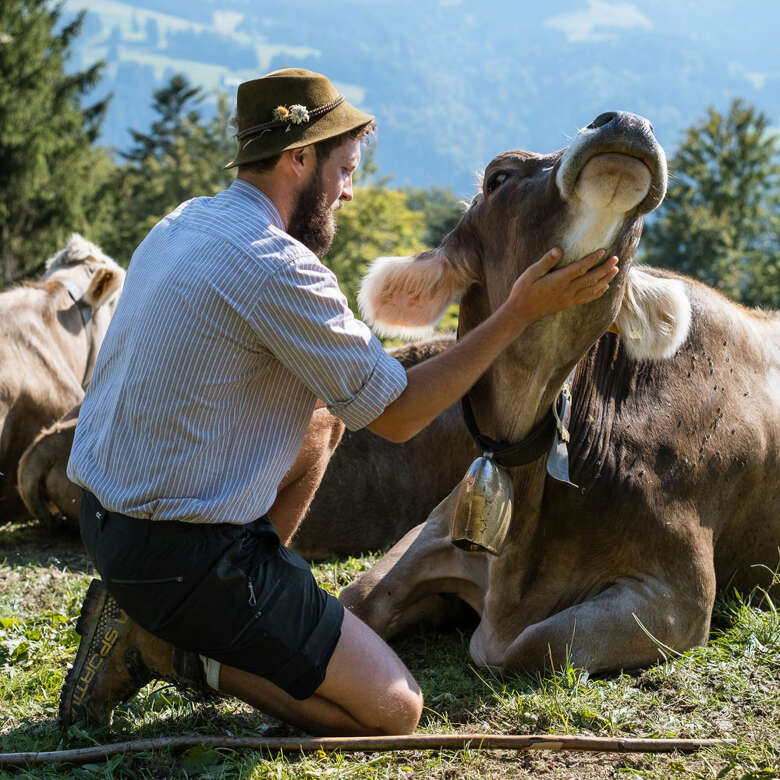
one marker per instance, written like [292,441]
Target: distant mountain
[452,82]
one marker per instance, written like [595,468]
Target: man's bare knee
[407,710]
[398,710]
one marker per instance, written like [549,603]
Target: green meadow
[728,689]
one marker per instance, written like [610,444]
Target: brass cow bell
[483,509]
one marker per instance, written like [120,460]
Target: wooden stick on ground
[369,745]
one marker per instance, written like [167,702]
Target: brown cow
[50,333]
[675,426]
[372,492]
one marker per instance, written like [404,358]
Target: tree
[49,171]
[180,158]
[377,223]
[442,210]
[720,222]
[176,105]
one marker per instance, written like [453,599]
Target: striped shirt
[226,333]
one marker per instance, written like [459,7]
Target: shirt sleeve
[303,318]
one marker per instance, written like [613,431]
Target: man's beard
[312,220]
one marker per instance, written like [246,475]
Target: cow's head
[94,282]
[82,266]
[591,195]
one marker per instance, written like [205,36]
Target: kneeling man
[232,347]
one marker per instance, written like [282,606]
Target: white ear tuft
[655,316]
[76,250]
[406,296]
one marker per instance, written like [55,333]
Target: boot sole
[86,628]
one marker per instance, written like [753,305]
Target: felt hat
[287,109]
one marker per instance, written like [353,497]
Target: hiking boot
[115,659]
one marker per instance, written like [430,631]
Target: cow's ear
[102,286]
[655,316]
[406,296]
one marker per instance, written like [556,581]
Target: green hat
[287,109]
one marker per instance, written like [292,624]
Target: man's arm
[437,383]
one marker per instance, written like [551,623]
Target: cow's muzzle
[615,133]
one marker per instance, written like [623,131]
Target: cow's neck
[606,378]
[78,342]
[511,397]
[587,228]
[514,569]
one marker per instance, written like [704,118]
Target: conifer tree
[377,223]
[181,157]
[177,108]
[720,222]
[49,171]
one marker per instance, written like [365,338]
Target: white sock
[211,670]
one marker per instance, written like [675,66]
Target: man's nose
[346,192]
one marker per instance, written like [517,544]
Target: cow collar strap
[85,310]
[551,435]
[77,296]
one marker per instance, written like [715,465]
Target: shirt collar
[244,189]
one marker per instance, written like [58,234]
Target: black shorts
[233,593]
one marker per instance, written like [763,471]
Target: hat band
[256,132]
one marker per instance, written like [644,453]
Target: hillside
[452,82]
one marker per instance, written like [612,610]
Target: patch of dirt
[34,544]
[35,566]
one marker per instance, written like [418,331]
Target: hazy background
[452,82]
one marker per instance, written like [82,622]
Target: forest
[720,222]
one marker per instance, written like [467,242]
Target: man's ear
[406,296]
[102,286]
[300,159]
[655,316]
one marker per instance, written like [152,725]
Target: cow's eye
[495,180]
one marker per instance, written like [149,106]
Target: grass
[730,688]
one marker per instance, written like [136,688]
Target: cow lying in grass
[372,492]
[675,427]
[50,333]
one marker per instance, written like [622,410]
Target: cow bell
[483,509]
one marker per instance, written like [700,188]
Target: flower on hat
[294,115]
[299,114]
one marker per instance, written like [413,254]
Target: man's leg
[345,678]
[302,480]
[366,690]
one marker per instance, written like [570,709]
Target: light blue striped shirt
[226,333]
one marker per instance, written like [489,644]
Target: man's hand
[540,291]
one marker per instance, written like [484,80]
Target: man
[228,331]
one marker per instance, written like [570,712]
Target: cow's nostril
[601,120]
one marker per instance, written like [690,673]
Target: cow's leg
[302,480]
[630,624]
[24,420]
[405,586]
[42,479]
